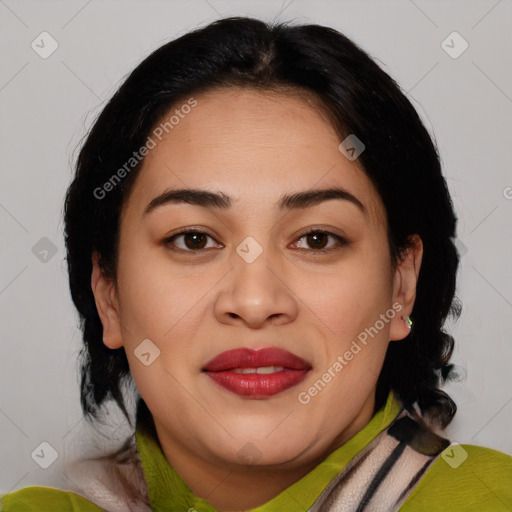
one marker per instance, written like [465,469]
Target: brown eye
[194,240]
[189,241]
[317,241]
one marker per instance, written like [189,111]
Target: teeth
[262,370]
[269,369]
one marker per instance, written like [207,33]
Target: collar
[168,491]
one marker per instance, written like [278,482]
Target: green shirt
[481,483]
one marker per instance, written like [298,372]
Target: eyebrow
[219,200]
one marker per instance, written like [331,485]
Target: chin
[261,451]
[251,456]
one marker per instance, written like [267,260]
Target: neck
[220,483]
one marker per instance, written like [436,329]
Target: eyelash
[342,242]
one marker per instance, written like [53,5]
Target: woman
[260,236]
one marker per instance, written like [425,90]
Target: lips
[257,373]
[250,358]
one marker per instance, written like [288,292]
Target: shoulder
[45,499]
[464,478]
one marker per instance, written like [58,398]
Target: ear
[404,287]
[105,297]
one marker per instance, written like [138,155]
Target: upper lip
[255,358]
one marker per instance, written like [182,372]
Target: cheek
[160,300]
[351,297]
[144,293]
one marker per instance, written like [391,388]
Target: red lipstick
[257,373]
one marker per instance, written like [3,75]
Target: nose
[256,293]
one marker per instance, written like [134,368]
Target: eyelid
[342,241]
[185,231]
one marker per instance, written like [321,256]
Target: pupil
[196,238]
[315,237]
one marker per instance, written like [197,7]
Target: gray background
[47,105]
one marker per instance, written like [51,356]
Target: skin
[254,147]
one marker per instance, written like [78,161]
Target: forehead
[254,146]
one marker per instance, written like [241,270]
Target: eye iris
[193,240]
[198,240]
[313,240]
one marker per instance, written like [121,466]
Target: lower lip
[256,385]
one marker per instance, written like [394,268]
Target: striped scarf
[377,479]
[385,472]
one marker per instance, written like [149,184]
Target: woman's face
[251,279]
